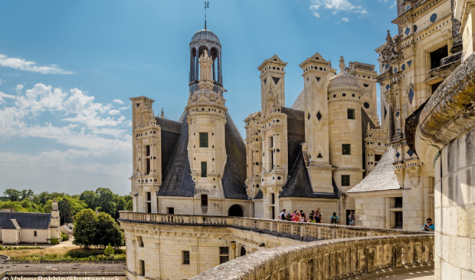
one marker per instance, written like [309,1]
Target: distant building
[20,227]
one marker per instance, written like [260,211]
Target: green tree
[106,200]
[26,203]
[85,228]
[65,211]
[27,194]
[109,230]
[90,198]
[13,195]
[109,250]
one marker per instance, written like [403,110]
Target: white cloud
[23,65]
[114,112]
[0,81]
[2,95]
[81,108]
[345,19]
[118,101]
[393,5]
[337,6]
[96,148]
[314,9]
[19,88]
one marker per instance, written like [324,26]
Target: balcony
[294,230]
[326,251]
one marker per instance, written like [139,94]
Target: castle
[300,157]
[327,150]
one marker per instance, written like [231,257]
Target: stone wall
[445,140]
[336,259]
[454,209]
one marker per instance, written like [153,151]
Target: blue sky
[68,69]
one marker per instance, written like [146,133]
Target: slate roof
[177,176]
[235,169]
[382,177]
[25,220]
[410,128]
[170,133]
[177,180]
[298,185]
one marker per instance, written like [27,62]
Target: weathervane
[206,7]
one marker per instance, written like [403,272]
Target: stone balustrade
[294,230]
[352,258]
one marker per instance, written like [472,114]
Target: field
[59,249]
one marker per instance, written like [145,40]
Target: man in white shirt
[282,215]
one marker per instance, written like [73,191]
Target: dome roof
[205,34]
[343,80]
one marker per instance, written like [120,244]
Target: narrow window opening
[223,254]
[171,210]
[186,257]
[345,180]
[346,149]
[204,169]
[147,151]
[35,233]
[204,200]
[142,268]
[351,114]
[398,202]
[203,139]
[437,55]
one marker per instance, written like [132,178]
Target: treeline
[102,200]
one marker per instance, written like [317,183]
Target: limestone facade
[412,64]
[300,158]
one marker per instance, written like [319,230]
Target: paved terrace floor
[419,275]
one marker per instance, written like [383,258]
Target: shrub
[54,241]
[64,236]
[109,250]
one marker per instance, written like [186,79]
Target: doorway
[235,211]
[243,251]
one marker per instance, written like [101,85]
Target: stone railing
[294,230]
[354,258]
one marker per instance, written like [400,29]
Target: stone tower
[201,41]
[272,80]
[317,71]
[206,143]
[146,153]
[346,142]
[55,219]
[366,76]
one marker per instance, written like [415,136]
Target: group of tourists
[315,216]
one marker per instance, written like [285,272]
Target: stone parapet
[355,258]
[294,230]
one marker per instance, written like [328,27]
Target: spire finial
[206,7]
[342,65]
[162,115]
[389,36]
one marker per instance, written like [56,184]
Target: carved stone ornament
[391,50]
[413,172]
